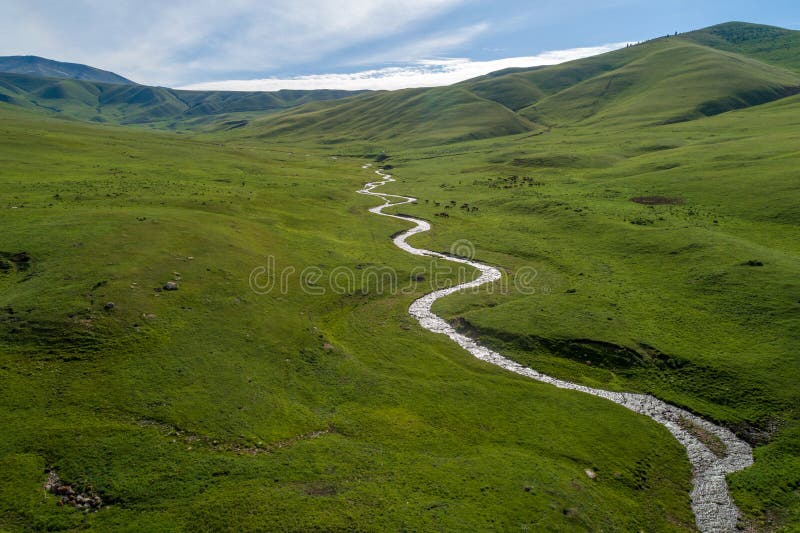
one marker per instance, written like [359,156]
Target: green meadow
[694,298]
[652,190]
[200,408]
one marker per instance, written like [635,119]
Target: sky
[347,44]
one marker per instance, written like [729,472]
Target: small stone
[591,474]
[109,306]
[170,286]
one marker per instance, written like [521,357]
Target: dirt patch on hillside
[658,200]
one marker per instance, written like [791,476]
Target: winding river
[713,507]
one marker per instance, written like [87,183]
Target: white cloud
[152,41]
[426,73]
[431,46]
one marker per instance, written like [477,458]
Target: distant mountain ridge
[665,80]
[48,68]
[140,104]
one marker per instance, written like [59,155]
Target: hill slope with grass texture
[673,81]
[667,260]
[665,80]
[768,43]
[158,107]
[418,116]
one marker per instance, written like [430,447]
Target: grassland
[655,193]
[215,407]
[196,408]
[694,298]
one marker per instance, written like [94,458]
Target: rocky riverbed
[713,507]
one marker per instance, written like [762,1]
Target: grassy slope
[704,74]
[139,104]
[665,80]
[419,116]
[673,81]
[522,88]
[668,283]
[145,402]
[773,45]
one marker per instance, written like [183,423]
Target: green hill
[667,80]
[420,116]
[768,43]
[662,81]
[47,68]
[725,67]
[519,88]
[139,104]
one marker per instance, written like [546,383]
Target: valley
[627,224]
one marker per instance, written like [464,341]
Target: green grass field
[696,302]
[214,407]
[147,403]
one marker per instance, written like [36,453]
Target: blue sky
[263,44]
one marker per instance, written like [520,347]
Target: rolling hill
[717,69]
[666,80]
[140,104]
[421,116]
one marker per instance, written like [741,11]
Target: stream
[714,509]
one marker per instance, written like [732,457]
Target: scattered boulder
[109,306]
[171,286]
[591,474]
[88,502]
